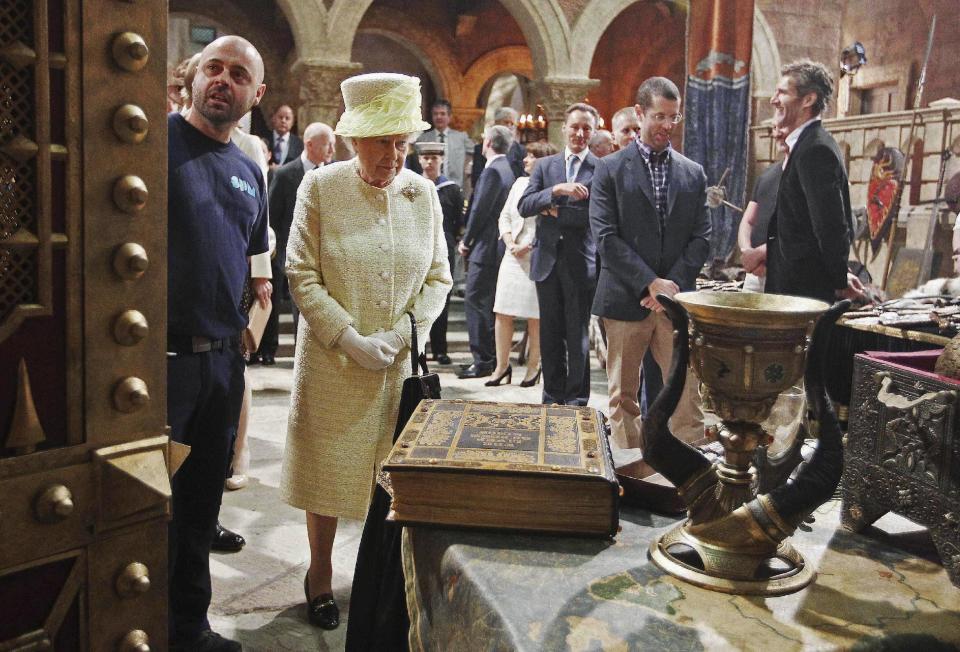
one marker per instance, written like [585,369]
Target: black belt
[199,344]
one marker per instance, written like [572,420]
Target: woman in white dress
[516,295]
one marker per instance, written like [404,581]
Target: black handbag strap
[415,349]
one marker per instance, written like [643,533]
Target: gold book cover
[495,465]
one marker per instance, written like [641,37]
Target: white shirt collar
[794,135]
[567,153]
[494,158]
[307,163]
[277,136]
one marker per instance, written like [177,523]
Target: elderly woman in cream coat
[366,246]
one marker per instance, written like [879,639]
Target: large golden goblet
[746,349]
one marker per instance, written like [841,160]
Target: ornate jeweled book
[543,468]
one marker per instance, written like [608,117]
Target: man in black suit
[563,263]
[507,117]
[285,146]
[808,242]
[319,151]
[648,214]
[483,249]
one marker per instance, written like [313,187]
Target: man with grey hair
[625,125]
[507,117]
[809,235]
[483,249]
[601,143]
[319,143]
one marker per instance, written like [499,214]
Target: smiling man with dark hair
[809,236]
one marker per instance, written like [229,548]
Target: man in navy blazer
[648,214]
[482,248]
[563,262]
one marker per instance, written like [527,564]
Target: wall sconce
[851,58]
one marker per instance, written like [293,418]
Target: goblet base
[681,554]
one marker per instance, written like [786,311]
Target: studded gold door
[84,457]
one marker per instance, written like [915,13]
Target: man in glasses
[649,218]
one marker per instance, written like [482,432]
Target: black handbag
[378,618]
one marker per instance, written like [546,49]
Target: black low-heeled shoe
[532,381]
[508,374]
[322,611]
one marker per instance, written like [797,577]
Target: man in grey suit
[648,215]
[563,262]
[482,247]
[457,142]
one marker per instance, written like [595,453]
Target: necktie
[278,150]
[572,168]
[443,164]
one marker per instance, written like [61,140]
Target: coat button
[382,222]
[385,275]
[383,304]
[384,247]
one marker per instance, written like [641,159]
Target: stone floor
[258,597]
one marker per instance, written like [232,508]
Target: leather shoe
[322,611]
[208,641]
[254,359]
[267,359]
[474,371]
[226,541]
[443,359]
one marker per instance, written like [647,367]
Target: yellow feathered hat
[380,104]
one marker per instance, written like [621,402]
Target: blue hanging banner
[717,122]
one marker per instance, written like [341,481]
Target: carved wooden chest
[903,448]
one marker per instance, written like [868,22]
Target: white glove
[368,352]
[390,337]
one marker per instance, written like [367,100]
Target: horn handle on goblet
[817,480]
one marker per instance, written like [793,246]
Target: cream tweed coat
[359,256]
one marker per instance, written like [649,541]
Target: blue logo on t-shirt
[240,184]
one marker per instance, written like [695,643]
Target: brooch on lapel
[411,192]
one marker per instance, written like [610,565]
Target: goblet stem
[740,439]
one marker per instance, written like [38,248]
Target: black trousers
[204,393]
[438,332]
[271,332]
[478,308]
[564,341]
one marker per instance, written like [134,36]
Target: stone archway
[309,23]
[590,26]
[434,53]
[439,75]
[512,59]
[765,57]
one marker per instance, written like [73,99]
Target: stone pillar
[555,95]
[320,98]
